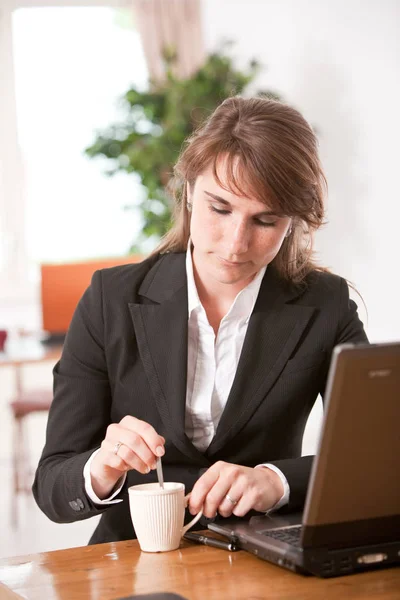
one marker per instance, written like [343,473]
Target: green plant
[148,140]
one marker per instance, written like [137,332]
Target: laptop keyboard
[290,535]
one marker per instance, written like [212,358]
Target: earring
[288,233]
[189,206]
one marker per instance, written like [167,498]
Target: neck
[216,299]
[218,294]
[215,306]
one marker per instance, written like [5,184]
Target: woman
[212,351]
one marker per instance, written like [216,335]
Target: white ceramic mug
[158,514]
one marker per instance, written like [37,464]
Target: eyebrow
[264,213]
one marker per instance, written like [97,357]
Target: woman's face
[233,236]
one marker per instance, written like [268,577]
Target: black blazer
[126,354]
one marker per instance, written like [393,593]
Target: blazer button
[76,504]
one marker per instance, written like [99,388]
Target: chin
[234,278]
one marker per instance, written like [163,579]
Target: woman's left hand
[233,489]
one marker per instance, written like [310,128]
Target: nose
[239,238]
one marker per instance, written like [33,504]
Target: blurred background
[96,97]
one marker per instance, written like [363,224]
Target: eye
[219,211]
[261,223]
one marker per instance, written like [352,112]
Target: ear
[188,192]
[290,228]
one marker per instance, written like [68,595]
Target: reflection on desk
[114,570]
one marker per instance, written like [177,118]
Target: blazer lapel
[161,327]
[274,329]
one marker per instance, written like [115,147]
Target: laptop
[351,517]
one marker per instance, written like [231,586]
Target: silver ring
[117,447]
[231,500]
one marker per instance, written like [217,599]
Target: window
[71,65]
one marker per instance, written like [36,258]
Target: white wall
[339,64]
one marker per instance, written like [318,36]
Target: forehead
[230,183]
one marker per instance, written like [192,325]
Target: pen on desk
[210,541]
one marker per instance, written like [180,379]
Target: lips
[231,263]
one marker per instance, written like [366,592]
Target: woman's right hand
[140,447]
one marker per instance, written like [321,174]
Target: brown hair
[271,154]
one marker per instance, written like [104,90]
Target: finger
[231,501]
[229,475]
[250,493]
[153,440]
[200,491]
[242,507]
[113,461]
[134,440]
[123,456]
[203,487]
[216,496]
[133,448]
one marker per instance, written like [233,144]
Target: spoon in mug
[160,473]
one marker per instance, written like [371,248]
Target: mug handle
[195,518]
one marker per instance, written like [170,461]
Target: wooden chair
[27,349]
[24,403]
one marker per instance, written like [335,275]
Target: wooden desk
[115,570]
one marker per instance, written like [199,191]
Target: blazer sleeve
[347,328]
[79,414]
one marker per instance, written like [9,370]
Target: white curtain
[170,24]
